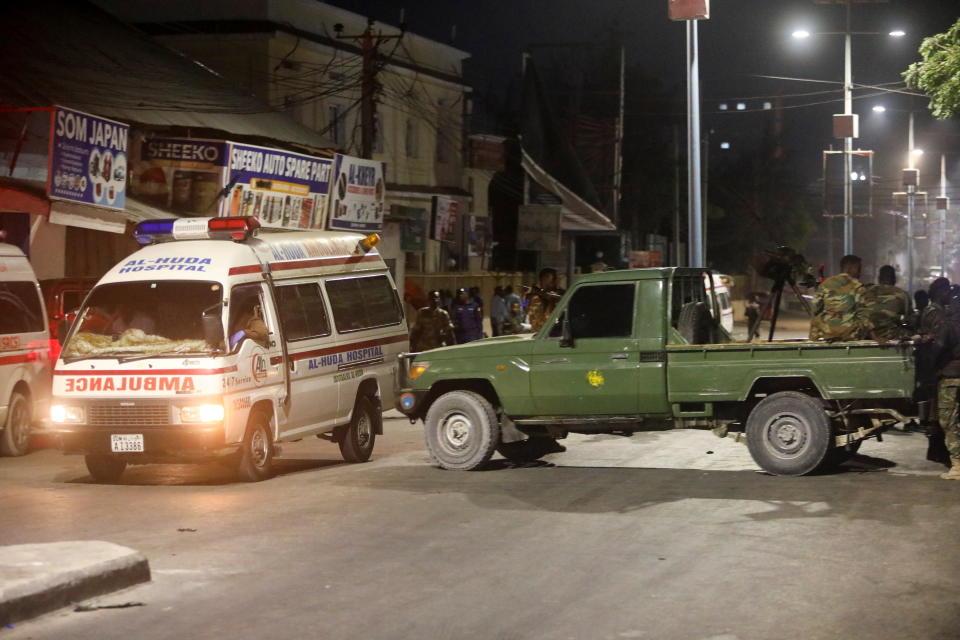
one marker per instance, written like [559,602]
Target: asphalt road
[661,536]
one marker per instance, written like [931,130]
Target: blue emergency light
[236,228]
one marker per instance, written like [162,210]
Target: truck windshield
[145,319]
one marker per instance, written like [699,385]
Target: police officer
[467,317]
[433,327]
[839,307]
[886,305]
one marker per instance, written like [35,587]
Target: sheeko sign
[88,159]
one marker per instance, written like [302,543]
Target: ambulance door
[369,323]
[312,356]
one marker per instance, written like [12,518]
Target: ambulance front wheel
[105,468]
[357,440]
[254,461]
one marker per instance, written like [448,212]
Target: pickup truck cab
[643,349]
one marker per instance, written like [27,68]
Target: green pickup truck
[640,350]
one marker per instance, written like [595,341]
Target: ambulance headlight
[61,414]
[202,413]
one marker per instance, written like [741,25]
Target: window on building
[337,124]
[411,139]
[302,312]
[363,303]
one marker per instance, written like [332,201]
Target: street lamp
[879,108]
[846,124]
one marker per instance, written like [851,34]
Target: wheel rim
[19,425]
[786,435]
[259,448]
[364,432]
[456,431]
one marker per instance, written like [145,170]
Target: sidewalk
[37,578]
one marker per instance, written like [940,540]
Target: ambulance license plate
[126,442]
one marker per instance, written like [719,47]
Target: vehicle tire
[695,322]
[839,455]
[789,434]
[254,461]
[105,468]
[357,440]
[529,450]
[15,438]
[462,430]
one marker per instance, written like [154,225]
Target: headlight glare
[202,413]
[61,414]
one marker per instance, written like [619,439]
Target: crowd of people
[845,309]
[459,318]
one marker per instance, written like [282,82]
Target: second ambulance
[220,340]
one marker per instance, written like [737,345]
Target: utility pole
[618,149]
[848,142]
[677,258]
[369,45]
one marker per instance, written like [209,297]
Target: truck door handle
[556,360]
[618,356]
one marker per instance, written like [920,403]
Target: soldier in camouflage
[433,327]
[935,313]
[839,312]
[947,349]
[541,300]
[887,305]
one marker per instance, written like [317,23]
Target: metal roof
[74,54]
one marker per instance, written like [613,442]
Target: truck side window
[604,311]
[302,312]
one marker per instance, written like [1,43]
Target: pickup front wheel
[462,430]
[788,434]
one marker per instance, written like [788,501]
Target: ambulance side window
[363,303]
[20,310]
[302,312]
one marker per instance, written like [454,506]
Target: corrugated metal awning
[578,215]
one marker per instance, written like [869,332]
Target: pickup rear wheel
[788,434]
[462,430]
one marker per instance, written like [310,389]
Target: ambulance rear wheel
[255,458]
[356,443]
[15,437]
[105,468]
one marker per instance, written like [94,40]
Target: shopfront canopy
[71,53]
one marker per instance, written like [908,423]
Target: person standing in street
[752,312]
[513,324]
[498,310]
[467,317]
[887,305]
[543,298]
[433,327]
[946,349]
[839,312]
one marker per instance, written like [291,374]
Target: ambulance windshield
[130,320]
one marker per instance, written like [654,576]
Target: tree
[938,74]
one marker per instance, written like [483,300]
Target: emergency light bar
[236,228]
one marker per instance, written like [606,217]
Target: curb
[37,578]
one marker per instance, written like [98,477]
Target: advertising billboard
[88,159]
[182,175]
[358,197]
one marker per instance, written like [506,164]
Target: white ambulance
[24,352]
[220,340]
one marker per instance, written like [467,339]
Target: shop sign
[446,210]
[88,159]
[358,198]
[414,226]
[279,188]
[479,236]
[182,175]
[538,228]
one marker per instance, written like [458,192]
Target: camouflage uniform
[433,329]
[839,310]
[540,304]
[885,305]
[932,318]
[947,413]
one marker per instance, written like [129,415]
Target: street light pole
[695,211]
[847,142]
